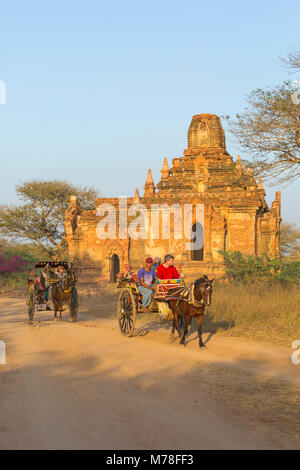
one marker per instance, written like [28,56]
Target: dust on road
[85,386]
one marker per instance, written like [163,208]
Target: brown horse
[65,294]
[192,306]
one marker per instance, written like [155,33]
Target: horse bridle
[204,287]
[70,285]
[188,295]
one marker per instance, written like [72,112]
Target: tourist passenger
[156,263]
[167,270]
[146,279]
[61,274]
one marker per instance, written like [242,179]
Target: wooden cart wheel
[31,302]
[127,311]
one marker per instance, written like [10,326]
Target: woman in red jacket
[167,270]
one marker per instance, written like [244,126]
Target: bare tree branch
[292,61]
[269,129]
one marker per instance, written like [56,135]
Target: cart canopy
[53,264]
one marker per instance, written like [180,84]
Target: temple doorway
[114,268]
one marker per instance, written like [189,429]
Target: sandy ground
[85,386]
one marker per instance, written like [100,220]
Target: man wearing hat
[61,275]
[146,279]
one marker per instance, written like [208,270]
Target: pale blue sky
[98,92]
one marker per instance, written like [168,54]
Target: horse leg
[175,326]
[185,330]
[70,311]
[54,303]
[176,320]
[59,308]
[180,318]
[199,322]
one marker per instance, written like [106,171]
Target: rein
[186,294]
[192,300]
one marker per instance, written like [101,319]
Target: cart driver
[45,278]
[61,275]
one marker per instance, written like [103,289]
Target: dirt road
[84,386]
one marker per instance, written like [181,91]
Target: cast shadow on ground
[210,326]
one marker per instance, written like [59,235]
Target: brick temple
[235,213]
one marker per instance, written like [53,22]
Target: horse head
[203,288]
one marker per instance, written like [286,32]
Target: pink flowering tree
[16,264]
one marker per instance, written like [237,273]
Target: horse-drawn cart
[130,301]
[39,292]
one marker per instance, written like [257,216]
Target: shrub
[263,312]
[249,268]
[15,264]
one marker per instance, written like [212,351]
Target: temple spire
[260,185]
[238,165]
[149,179]
[137,197]
[165,169]
[149,185]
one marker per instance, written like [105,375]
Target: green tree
[40,219]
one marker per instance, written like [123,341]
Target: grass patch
[260,312]
[13,282]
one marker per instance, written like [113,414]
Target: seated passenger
[61,275]
[156,263]
[146,279]
[167,270]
